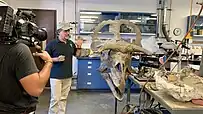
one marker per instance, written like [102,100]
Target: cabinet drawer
[86,66]
[92,85]
[88,75]
[84,85]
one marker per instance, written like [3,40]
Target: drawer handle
[89,74]
[89,62]
[89,67]
[89,83]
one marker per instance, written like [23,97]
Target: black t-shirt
[16,62]
[55,48]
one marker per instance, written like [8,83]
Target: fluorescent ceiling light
[135,21]
[154,14]
[89,17]
[96,13]
[139,18]
[87,20]
[150,18]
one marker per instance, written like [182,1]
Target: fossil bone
[116,55]
[183,86]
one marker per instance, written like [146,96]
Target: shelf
[145,24]
[198,36]
[88,23]
[196,45]
[143,34]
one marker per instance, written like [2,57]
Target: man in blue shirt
[62,49]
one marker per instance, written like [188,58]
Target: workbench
[168,102]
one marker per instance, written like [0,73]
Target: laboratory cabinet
[90,78]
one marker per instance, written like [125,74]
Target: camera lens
[41,34]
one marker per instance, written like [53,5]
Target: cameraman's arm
[27,72]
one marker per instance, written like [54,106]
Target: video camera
[19,27]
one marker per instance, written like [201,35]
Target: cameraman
[21,81]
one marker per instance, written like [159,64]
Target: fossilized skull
[116,55]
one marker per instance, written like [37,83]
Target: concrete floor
[86,103]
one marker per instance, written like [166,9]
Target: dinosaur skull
[116,56]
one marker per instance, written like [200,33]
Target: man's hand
[44,55]
[61,58]
[79,43]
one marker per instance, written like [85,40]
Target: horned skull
[116,54]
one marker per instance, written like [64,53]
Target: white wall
[180,11]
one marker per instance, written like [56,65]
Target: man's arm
[31,80]
[55,59]
[78,47]
[78,51]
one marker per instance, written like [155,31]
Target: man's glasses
[67,30]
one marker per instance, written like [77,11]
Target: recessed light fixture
[87,20]
[89,17]
[93,13]
[154,15]
[135,21]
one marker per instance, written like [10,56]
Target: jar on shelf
[198,30]
[201,30]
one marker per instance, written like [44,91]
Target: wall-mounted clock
[177,31]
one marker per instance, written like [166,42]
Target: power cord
[130,110]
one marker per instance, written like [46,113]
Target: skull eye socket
[103,54]
[118,67]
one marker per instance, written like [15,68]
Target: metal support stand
[116,105]
[128,94]
[129,82]
[179,61]
[201,66]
